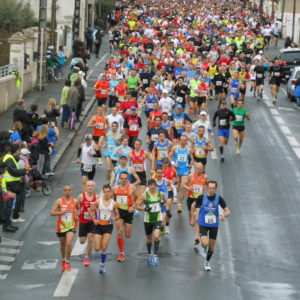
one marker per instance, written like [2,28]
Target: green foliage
[15,15]
[104,7]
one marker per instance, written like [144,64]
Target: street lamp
[294,15]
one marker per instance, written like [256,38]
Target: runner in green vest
[193,109]
[134,84]
[151,202]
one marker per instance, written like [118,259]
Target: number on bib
[155,207]
[223,122]
[103,92]
[86,215]
[99,126]
[218,83]
[197,189]
[105,215]
[138,167]
[122,199]
[200,151]
[133,127]
[68,217]
[239,118]
[87,168]
[179,99]
[182,158]
[154,137]
[210,219]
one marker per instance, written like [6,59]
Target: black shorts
[239,128]
[63,234]
[170,194]
[132,140]
[259,81]
[151,226]
[225,89]
[134,94]
[103,229]
[243,91]
[101,101]
[176,135]
[126,216]
[267,38]
[89,175]
[201,100]
[143,178]
[203,160]
[193,99]
[189,202]
[219,90]
[211,231]
[85,228]
[275,81]
[147,113]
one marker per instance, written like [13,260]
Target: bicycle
[37,180]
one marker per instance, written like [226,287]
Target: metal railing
[7,70]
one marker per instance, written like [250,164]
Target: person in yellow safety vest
[11,183]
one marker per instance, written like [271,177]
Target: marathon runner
[67,210]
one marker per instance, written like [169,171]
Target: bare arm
[55,209]
[91,122]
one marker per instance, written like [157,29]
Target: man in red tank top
[67,210]
[132,126]
[86,226]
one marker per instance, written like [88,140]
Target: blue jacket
[297,91]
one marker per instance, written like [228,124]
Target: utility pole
[293,27]
[76,20]
[42,44]
[282,10]
[53,23]
[261,8]
[273,10]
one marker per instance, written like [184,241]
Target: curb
[68,141]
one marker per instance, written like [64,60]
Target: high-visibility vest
[7,177]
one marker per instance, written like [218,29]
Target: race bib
[150,105]
[68,217]
[122,199]
[103,92]
[179,122]
[182,158]
[210,219]
[165,107]
[200,151]
[248,55]
[111,148]
[179,99]
[86,215]
[99,126]
[259,75]
[225,85]
[223,122]
[145,81]
[218,83]
[239,118]
[138,167]
[198,189]
[155,207]
[277,74]
[133,127]
[149,50]
[154,137]
[163,153]
[234,90]
[105,215]
[87,168]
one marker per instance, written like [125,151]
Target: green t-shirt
[132,82]
[194,84]
[154,202]
[240,115]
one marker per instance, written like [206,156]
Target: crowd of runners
[170,60]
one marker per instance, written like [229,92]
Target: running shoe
[167,229]
[155,260]
[222,158]
[149,259]
[274,101]
[86,262]
[67,266]
[162,230]
[207,266]
[102,269]
[121,257]
[237,151]
[203,252]
[136,212]
[179,208]
[196,241]
[63,265]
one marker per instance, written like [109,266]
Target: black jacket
[22,116]
[44,146]
[51,115]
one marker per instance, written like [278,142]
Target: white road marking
[214,155]
[42,264]
[65,284]
[5,267]
[285,129]
[297,151]
[90,73]
[29,286]
[50,243]
[279,120]
[101,60]
[274,111]
[3,276]
[286,108]
[7,258]
[293,142]
[284,92]
[78,249]
[9,251]
[8,242]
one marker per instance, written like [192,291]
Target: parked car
[292,81]
[288,58]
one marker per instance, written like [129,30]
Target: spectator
[73,97]
[61,58]
[4,142]
[43,150]
[34,148]
[64,103]
[89,36]
[21,115]
[297,93]
[78,47]
[98,41]
[81,97]
[52,111]
[36,120]
[74,75]
[11,183]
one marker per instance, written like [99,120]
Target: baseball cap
[25,151]
[123,155]
[178,106]
[261,52]
[203,113]
[165,160]
[164,92]
[88,136]
[133,107]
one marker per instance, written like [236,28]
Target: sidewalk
[53,90]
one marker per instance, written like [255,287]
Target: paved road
[257,253]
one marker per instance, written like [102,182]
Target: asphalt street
[256,255]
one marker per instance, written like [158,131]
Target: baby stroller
[38,181]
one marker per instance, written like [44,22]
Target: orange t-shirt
[103,86]
[99,128]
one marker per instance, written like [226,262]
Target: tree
[15,15]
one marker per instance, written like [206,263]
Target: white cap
[261,52]
[164,92]
[25,151]
[203,113]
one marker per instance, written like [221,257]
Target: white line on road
[285,129]
[65,284]
[7,258]
[286,108]
[5,267]
[269,104]
[101,60]
[3,276]
[274,111]
[90,74]
[297,152]
[9,251]
[284,91]
[8,242]
[78,249]
[293,142]
[279,120]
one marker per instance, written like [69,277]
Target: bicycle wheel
[27,191]
[47,188]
